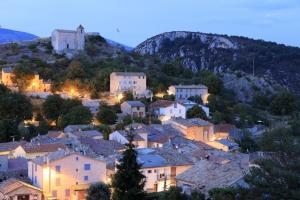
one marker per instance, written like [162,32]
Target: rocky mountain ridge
[228,54]
[7,35]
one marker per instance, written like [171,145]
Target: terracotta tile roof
[129,73]
[136,137]
[159,157]
[189,86]
[9,146]
[191,122]
[134,103]
[44,148]
[13,184]
[219,172]
[102,147]
[224,128]
[161,103]
[55,134]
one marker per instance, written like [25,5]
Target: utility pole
[253,66]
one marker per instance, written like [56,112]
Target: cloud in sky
[137,20]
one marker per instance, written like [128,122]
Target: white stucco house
[187,91]
[166,110]
[134,82]
[65,40]
[140,139]
[66,175]
[189,104]
[161,166]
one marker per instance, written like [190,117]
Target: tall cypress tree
[128,182]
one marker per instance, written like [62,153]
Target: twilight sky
[132,21]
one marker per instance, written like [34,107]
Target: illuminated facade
[65,176]
[39,85]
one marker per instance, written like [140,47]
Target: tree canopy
[128,182]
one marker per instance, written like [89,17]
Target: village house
[13,189]
[157,135]
[66,175]
[193,129]
[187,91]
[31,151]
[10,148]
[80,127]
[39,85]
[224,145]
[94,134]
[140,140]
[7,78]
[66,40]
[190,104]
[161,166]
[134,82]
[133,108]
[165,110]
[218,172]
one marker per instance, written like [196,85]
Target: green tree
[98,191]
[76,115]
[128,182]
[222,194]
[196,112]
[23,77]
[277,176]
[175,193]
[52,107]
[214,83]
[68,104]
[14,109]
[106,115]
[197,99]
[247,144]
[106,130]
[196,195]
[284,103]
[127,96]
[75,70]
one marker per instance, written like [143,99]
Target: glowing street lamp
[120,96]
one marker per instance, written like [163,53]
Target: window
[77,158]
[54,193]
[138,108]
[57,181]
[161,175]
[149,171]
[35,180]
[86,178]
[67,192]
[76,170]
[35,167]
[87,167]
[58,168]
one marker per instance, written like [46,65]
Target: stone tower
[80,37]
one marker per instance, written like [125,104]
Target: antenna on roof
[253,66]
